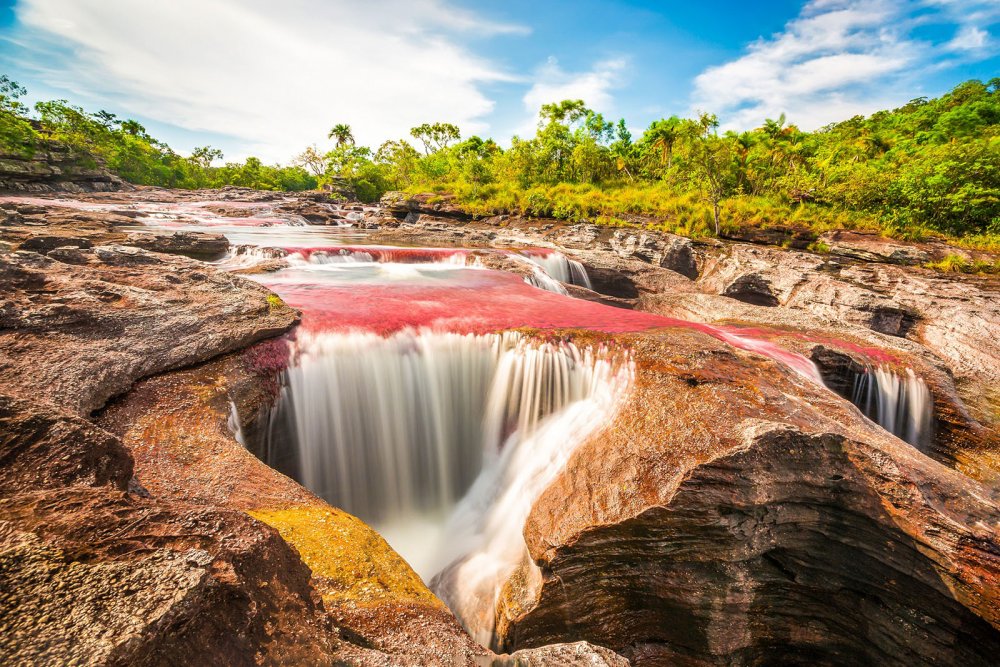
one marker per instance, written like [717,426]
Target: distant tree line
[930,165]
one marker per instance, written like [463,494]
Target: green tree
[435,136]
[342,134]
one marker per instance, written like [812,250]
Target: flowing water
[408,400]
[899,403]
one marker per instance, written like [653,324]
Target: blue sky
[268,78]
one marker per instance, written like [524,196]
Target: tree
[204,156]
[10,94]
[312,160]
[712,160]
[567,112]
[662,135]
[342,134]
[435,136]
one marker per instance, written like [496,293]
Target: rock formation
[55,168]
[733,511]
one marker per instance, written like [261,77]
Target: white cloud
[839,58]
[969,38]
[553,84]
[275,75]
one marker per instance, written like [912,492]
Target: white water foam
[899,403]
[398,429]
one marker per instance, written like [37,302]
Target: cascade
[540,279]
[901,404]
[233,422]
[341,256]
[246,255]
[485,542]
[396,429]
[560,267]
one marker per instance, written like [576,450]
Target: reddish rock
[734,513]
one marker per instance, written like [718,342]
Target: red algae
[483,301]
[387,254]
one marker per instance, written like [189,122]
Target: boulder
[197,245]
[75,335]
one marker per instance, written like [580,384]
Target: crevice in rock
[893,321]
[612,283]
[753,289]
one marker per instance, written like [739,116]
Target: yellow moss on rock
[350,562]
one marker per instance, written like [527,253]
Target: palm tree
[663,134]
[341,132]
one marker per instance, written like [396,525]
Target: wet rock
[197,245]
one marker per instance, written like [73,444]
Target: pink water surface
[482,301]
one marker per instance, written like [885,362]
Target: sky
[266,78]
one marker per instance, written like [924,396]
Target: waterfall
[560,267]
[244,255]
[485,541]
[396,429]
[901,404]
[233,422]
[542,280]
[341,256]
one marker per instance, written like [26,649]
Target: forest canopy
[930,165]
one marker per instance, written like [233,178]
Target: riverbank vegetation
[125,147]
[929,167]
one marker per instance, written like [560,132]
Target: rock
[577,654]
[89,573]
[122,255]
[71,255]
[722,524]
[54,167]
[43,244]
[777,235]
[176,427]
[75,335]
[664,250]
[197,245]
[401,205]
[871,247]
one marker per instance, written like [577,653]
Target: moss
[275,302]
[350,562]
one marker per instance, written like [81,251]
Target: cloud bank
[274,76]
[841,58]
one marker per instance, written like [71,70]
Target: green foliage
[125,147]
[929,167]
[952,263]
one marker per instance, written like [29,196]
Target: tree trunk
[715,206]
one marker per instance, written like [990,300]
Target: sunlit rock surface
[733,510]
[732,513]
